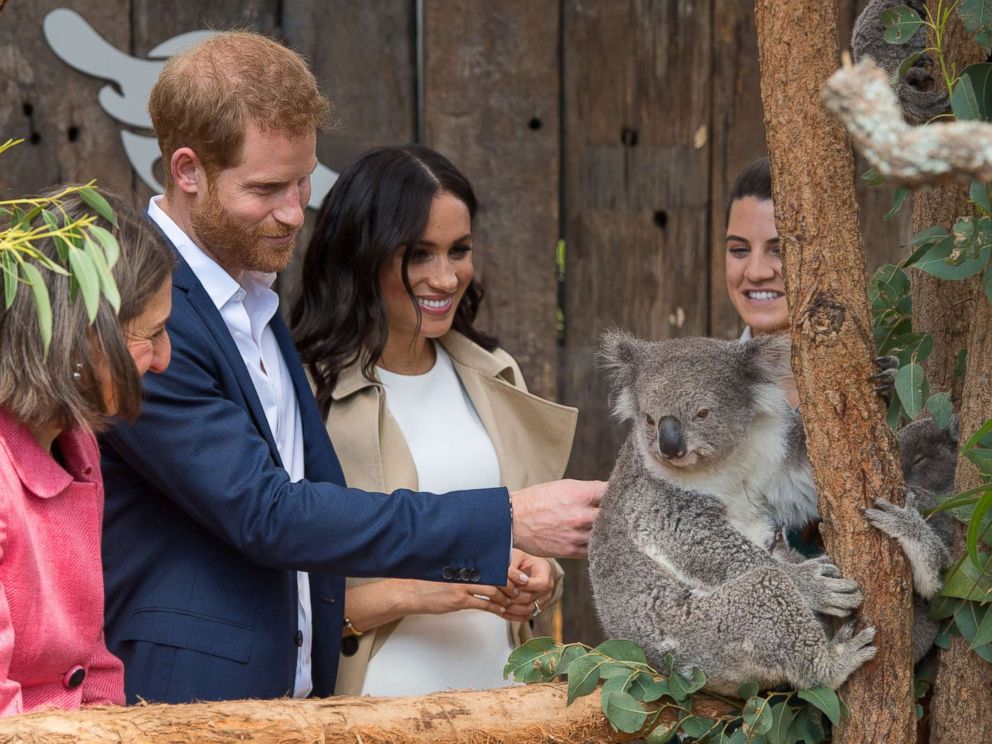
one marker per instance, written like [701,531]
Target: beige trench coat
[532,438]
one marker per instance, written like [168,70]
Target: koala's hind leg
[758,627]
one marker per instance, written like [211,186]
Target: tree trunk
[510,715]
[852,450]
[962,693]
[941,307]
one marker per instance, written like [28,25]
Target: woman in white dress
[416,397]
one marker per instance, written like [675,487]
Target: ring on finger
[537,609]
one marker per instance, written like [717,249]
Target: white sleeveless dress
[452,451]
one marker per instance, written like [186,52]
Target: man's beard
[237,248]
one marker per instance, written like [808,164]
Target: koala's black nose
[670,439]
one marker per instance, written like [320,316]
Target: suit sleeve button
[448,573]
[465,574]
[74,678]
[476,575]
[349,645]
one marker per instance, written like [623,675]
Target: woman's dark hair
[755,180]
[381,202]
[62,386]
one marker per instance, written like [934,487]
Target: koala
[920,101]
[685,556]
[679,557]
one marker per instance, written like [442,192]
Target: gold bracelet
[349,629]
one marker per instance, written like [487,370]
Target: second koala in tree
[917,89]
[683,557]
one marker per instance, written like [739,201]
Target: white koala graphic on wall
[78,44]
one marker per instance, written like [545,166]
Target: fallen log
[517,715]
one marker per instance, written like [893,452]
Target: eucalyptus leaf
[968,618]
[782,717]
[42,303]
[747,690]
[909,386]
[935,261]
[976,15]
[824,699]
[625,713]
[983,635]
[758,716]
[898,198]
[907,65]
[679,686]
[901,24]
[965,580]
[698,727]
[85,273]
[583,675]
[872,177]
[979,193]
[656,690]
[663,733]
[9,275]
[964,101]
[98,204]
[622,651]
[108,242]
[929,236]
[570,653]
[107,284]
[523,657]
[939,405]
[976,527]
[960,363]
[808,726]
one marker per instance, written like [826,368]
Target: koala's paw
[923,547]
[825,591]
[885,378]
[848,652]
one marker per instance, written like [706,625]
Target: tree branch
[862,98]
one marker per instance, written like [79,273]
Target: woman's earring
[77,373]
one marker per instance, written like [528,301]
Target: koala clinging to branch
[683,557]
[917,92]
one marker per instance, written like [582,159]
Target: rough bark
[851,448]
[962,697]
[517,715]
[962,694]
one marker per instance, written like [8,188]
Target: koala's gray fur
[920,101]
[684,557]
[669,568]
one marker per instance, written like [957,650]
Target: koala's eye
[650,420]
[702,413]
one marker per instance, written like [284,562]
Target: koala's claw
[850,653]
[888,366]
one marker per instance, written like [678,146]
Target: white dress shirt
[247,307]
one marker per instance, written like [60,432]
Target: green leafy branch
[86,251]
[637,699]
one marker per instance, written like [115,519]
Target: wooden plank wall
[616,124]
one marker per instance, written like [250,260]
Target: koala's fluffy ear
[620,356]
[767,361]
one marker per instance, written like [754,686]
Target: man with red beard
[228,524]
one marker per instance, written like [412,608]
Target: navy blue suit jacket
[204,533]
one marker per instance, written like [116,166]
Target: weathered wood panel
[737,139]
[53,107]
[364,58]
[491,92]
[636,202]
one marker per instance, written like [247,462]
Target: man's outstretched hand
[555,518]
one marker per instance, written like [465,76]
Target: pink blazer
[52,652]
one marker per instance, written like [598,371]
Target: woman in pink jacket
[52,652]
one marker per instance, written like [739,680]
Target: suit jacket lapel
[185,280]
